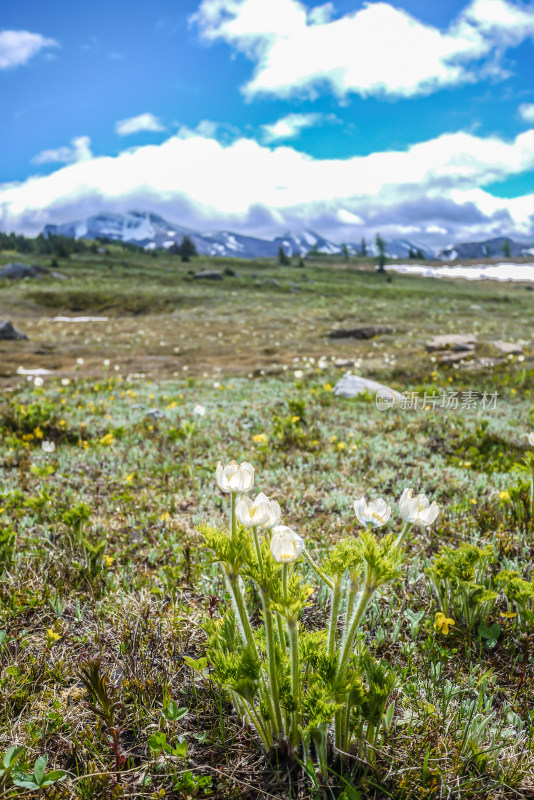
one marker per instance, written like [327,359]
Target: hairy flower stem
[269,640]
[363,601]
[248,709]
[292,627]
[402,535]
[532,496]
[317,570]
[334,614]
[347,645]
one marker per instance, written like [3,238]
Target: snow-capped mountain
[491,248]
[149,230]
[142,228]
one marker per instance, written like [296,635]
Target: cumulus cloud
[244,185]
[526,111]
[79,150]
[143,122]
[17,47]
[290,126]
[378,50]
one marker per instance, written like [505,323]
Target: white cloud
[198,181]
[378,50]
[526,111]
[143,122]
[80,150]
[290,126]
[17,47]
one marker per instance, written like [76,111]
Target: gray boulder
[352,385]
[17,271]
[8,332]
[209,275]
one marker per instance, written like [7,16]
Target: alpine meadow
[267,400]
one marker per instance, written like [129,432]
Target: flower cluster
[294,686]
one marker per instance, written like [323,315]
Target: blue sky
[425,108]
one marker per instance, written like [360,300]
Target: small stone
[510,348]
[452,341]
[9,333]
[209,275]
[362,332]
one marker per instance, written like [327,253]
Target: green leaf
[180,750]
[197,665]
[12,755]
[26,782]
[53,777]
[173,712]
[39,769]
[158,741]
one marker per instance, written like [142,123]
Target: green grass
[100,548]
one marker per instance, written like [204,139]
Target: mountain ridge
[150,231]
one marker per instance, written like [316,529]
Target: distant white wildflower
[79,361]
[199,410]
[235,477]
[48,447]
[374,514]
[417,510]
[38,382]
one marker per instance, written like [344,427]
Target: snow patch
[476,272]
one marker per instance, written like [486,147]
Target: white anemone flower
[235,477]
[530,437]
[48,447]
[260,513]
[199,410]
[417,510]
[374,514]
[286,545]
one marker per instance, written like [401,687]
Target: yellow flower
[108,560]
[2,510]
[504,496]
[107,439]
[341,445]
[165,516]
[260,438]
[62,423]
[129,478]
[442,623]
[38,433]
[51,637]
[508,614]
[473,501]
[328,387]
[294,420]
